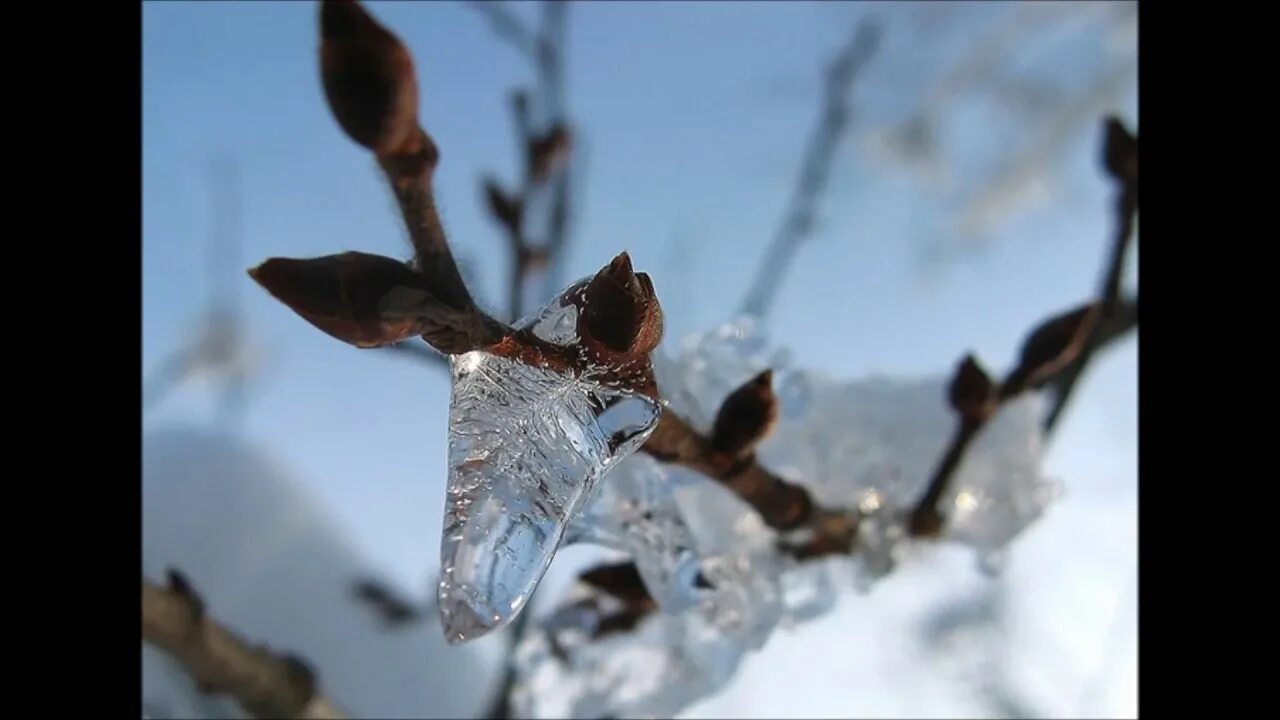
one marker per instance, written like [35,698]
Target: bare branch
[1057,351]
[507,26]
[797,223]
[394,610]
[1120,158]
[265,684]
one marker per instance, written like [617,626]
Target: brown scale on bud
[620,311]
[368,78]
[619,580]
[506,209]
[972,394]
[1120,151]
[746,417]
[548,153]
[181,586]
[370,301]
[925,522]
[1053,345]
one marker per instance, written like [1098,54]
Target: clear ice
[870,444]
[527,446]
[636,512]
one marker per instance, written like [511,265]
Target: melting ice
[526,447]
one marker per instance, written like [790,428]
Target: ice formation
[527,446]
[869,444]
[636,512]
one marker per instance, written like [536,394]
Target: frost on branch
[528,443]
[870,444]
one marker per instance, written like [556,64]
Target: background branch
[1120,157]
[507,26]
[265,684]
[797,223]
[1056,353]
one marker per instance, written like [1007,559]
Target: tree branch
[1120,157]
[265,684]
[797,224]
[507,26]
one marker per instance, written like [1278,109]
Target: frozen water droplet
[558,323]
[526,447]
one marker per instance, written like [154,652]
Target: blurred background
[965,204]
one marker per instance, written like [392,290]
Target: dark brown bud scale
[620,310]
[1055,343]
[746,417]
[972,394]
[368,78]
[1120,151]
[362,299]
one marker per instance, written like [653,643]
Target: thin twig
[264,683]
[797,224]
[507,26]
[1057,353]
[1126,205]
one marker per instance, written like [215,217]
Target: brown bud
[384,601]
[1055,343]
[302,679]
[621,310]
[368,78]
[504,208]
[746,417]
[370,301]
[1120,151]
[972,393]
[549,152]
[180,585]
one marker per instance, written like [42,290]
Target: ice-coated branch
[797,223]
[545,171]
[266,684]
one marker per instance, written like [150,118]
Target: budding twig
[264,683]
[394,610]
[1120,158]
[544,155]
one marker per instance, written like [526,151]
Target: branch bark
[1120,156]
[264,683]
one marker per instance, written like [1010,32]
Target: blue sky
[692,119]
